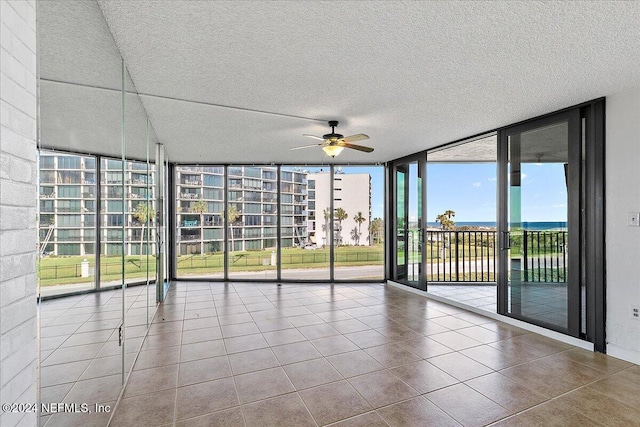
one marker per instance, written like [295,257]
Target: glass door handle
[506,241]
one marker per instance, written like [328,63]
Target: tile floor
[80,359]
[241,354]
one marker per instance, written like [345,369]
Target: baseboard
[632,356]
[520,324]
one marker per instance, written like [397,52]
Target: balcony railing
[471,255]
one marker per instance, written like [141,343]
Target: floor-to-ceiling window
[269,222]
[199,213]
[358,206]
[305,218]
[67,222]
[252,222]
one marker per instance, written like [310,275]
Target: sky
[470,191]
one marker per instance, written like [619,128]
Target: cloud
[477,184]
[492,179]
[523,175]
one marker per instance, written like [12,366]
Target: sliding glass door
[540,222]
[408,253]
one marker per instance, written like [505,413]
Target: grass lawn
[64,270]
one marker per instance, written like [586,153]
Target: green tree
[355,235]
[200,207]
[376,228]
[233,216]
[340,214]
[359,219]
[325,227]
[446,223]
[143,213]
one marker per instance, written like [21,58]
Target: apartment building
[69,200]
[252,208]
[351,198]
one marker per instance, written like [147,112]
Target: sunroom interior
[168,168]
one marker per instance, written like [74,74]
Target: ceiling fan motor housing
[333,135]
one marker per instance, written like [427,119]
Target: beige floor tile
[460,366]
[598,361]
[153,358]
[282,411]
[263,384]
[481,334]
[202,370]
[511,395]
[622,386]
[203,398]
[391,355]
[455,340]
[285,336]
[296,352]
[313,332]
[369,419]
[333,345]
[552,414]
[452,322]
[254,360]
[152,379]
[425,347]
[334,402]
[467,406]
[494,358]
[148,409]
[366,339]
[349,326]
[202,350]
[354,363]
[423,376]
[239,329]
[539,379]
[245,343]
[311,373]
[417,412]
[382,388]
[225,418]
[600,408]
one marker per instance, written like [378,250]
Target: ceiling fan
[333,143]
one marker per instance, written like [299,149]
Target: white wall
[18,198]
[623,242]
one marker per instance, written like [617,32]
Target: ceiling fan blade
[357,147]
[312,136]
[357,137]
[306,146]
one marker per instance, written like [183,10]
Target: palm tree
[143,213]
[325,227]
[376,228]
[200,207]
[359,219]
[446,223]
[355,235]
[233,216]
[340,215]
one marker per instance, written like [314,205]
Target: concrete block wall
[18,200]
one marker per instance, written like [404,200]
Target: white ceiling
[412,75]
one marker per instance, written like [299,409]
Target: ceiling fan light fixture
[332,150]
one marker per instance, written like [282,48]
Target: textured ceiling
[412,75]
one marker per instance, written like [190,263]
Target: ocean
[531,226]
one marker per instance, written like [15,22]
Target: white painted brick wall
[18,199]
